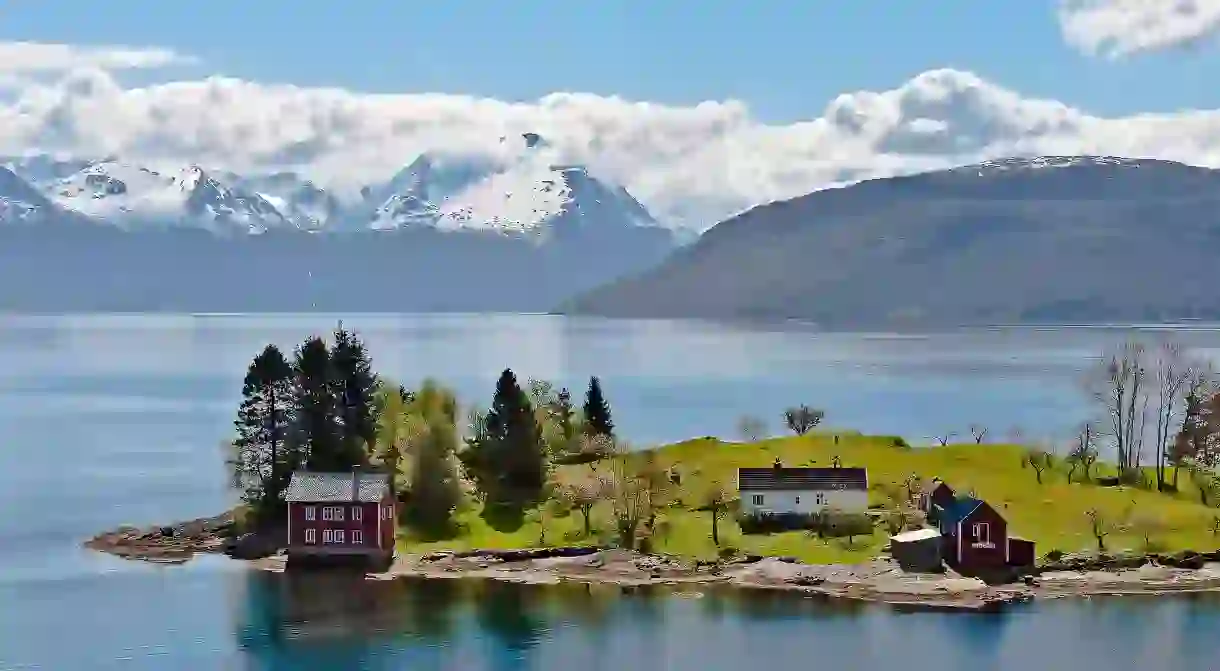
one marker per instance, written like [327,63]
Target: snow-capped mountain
[134,196]
[41,169]
[19,201]
[518,190]
[523,194]
[304,204]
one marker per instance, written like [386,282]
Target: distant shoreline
[879,581]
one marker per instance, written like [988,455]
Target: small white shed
[802,491]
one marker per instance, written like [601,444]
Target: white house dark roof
[801,479]
[320,487]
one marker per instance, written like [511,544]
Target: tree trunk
[584,510]
[715,527]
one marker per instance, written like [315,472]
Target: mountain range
[1052,239]
[446,233]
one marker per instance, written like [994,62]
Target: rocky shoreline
[876,581]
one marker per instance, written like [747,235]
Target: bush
[826,524]
[842,525]
[899,441]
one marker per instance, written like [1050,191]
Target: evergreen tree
[506,456]
[355,388]
[263,463]
[597,411]
[565,414]
[314,411]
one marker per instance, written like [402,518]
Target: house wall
[983,553]
[372,538]
[803,502]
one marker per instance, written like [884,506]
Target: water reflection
[324,621]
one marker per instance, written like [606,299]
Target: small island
[537,488]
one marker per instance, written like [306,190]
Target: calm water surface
[109,420]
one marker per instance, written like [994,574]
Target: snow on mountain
[304,204]
[136,196]
[19,201]
[524,194]
[40,169]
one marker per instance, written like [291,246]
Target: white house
[802,491]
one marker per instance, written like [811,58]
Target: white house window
[328,536]
[757,499]
[357,513]
[820,499]
[798,500]
[982,532]
[311,536]
[339,535]
[332,514]
[311,513]
[357,537]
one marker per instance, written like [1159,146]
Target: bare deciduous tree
[1039,460]
[802,419]
[715,501]
[943,440]
[979,433]
[1172,378]
[1119,385]
[1082,453]
[1099,526]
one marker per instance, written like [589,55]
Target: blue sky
[787,60]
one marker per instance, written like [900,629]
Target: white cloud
[40,57]
[1117,28]
[690,164]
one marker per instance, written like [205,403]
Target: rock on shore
[179,542]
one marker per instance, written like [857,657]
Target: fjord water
[118,419]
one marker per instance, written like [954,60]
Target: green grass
[1051,513]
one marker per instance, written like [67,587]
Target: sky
[700,109]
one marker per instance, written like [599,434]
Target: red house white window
[357,537]
[357,513]
[332,513]
[311,536]
[982,534]
[311,513]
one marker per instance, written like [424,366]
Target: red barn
[341,514]
[976,536]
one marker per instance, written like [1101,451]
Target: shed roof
[801,479]
[958,509]
[916,535]
[325,487]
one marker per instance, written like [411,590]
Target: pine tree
[513,464]
[314,411]
[263,463]
[597,411]
[355,388]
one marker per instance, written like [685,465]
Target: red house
[975,536]
[341,515]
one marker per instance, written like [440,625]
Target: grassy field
[1051,513]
